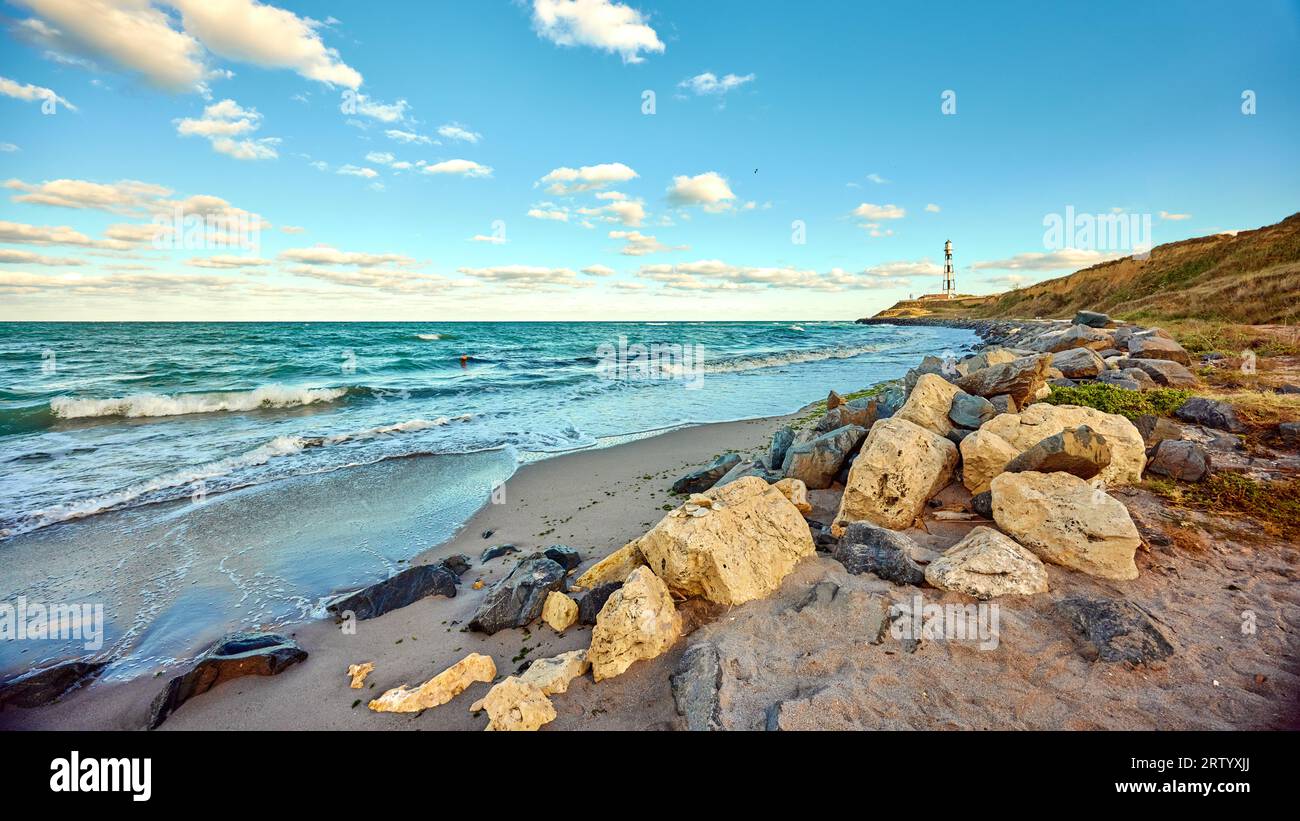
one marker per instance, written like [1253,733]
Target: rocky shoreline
[967,480]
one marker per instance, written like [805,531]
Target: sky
[601,160]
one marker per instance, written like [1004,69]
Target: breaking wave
[153,404]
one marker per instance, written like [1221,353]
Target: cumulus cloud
[1065,259]
[354,103]
[874,213]
[716,275]
[18,233]
[621,210]
[464,168]
[932,208]
[709,190]
[329,255]
[549,211]
[118,197]
[565,180]
[10,256]
[709,83]
[455,131]
[1165,215]
[228,261]
[222,123]
[639,245]
[30,93]
[599,271]
[527,277]
[409,137]
[601,24]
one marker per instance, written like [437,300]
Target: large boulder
[1180,459]
[612,569]
[1076,336]
[929,403]
[1157,347]
[1156,429]
[638,622]
[970,411]
[729,545]
[816,462]
[861,412]
[516,705]
[552,675]
[695,685]
[868,548]
[987,357]
[984,455]
[1079,451]
[900,466]
[1020,379]
[411,585]
[987,564]
[1066,521]
[1092,319]
[782,439]
[1165,373]
[1114,630]
[1078,363]
[440,689]
[1212,413]
[36,688]
[233,656]
[707,476]
[1127,450]
[518,599]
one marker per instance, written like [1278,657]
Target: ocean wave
[193,481]
[429,337]
[754,362]
[153,404]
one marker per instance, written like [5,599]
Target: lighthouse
[949,277]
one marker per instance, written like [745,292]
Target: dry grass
[1261,409]
[1274,503]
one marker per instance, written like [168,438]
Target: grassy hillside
[1252,278]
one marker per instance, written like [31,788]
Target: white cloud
[10,256]
[222,122]
[409,137]
[708,83]
[375,110]
[639,245]
[454,131]
[31,93]
[565,180]
[627,212]
[1165,215]
[716,275]
[527,277]
[1064,259]
[8,147]
[228,261]
[118,197]
[877,179]
[599,271]
[329,255]
[465,168]
[293,229]
[380,157]
[357,171]
[549,211]
[709,190]
[260,149]
[602,24]
[932,208]
[491,239]
[870,211]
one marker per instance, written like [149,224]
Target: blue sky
[766,118]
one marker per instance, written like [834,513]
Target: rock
[1115,630]
[900,466]
[1078,363]
[866,548]
[862,412]
[234,655]
[797,492]
[987,564]
[559,611]
[438,690]
[891,399]
[929,403]
[553,675]
[816,462]
[695,685]
[517,600]
[748,467]
[36,688]
[590,604]
[1076,336]
[1181,460]
[984,455]
[410,585]
[516,705]
[496,552]
[1038,422]
[969,411]
[1004,404]
[706,477]
[457,564]
[564,556]
[1092,319]
[358,673]
[615,567]
[833,401]
[1122,377]
[933,365]
[1156,429]
[1109,353]
[1079,451]
[1212,413]
[989,356]
[982,503]
[1120,381]
[1019,379]
[781,441]
[1166,373]
[1064,520]
[1157,347]
[638,622]
[1061,383]
[738,543]
[1288,389]
[819,596]
[1289,433]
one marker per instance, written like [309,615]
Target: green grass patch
[1275,501]
[1126,403]
[818,410]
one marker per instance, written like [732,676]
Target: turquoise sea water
[113,421]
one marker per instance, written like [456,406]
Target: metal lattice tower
[949,276]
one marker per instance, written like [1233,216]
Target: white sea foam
[750,363]
[429,337]
[153,404]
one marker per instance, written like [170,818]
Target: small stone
[564,556]
[438,690]
[358,673]
[1212,413]
[457,563]
[559,611]
[496,552]
[1180,459]
[518,599]
[1115,630]
[516,705]
[695,686]
[706,477]
[987,564]
[868,548]
[553,675]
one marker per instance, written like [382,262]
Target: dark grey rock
[982,503]
[1078,363]
[955,435]
[36,688]
[594,599]
[1156,429]
[1019,379]
[868,548]
[749,467]
[819,596]
[891,399]
[457,564]
[781,441]
[1080,451]
[1213,413]
[517,599]
[969,411]
[1289,389]
[1165,373]
[1289,433]
[695,686]
[410,585]
[496,552]
[564,556]
[816,461]
[1062,382]
[1114,630]
[698,481]
[1109,352]
[1180,459]
[1003,404]
[1092,319]
[235,655]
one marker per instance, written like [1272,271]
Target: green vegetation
[818,409]
[1127,403]
[1276,502]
